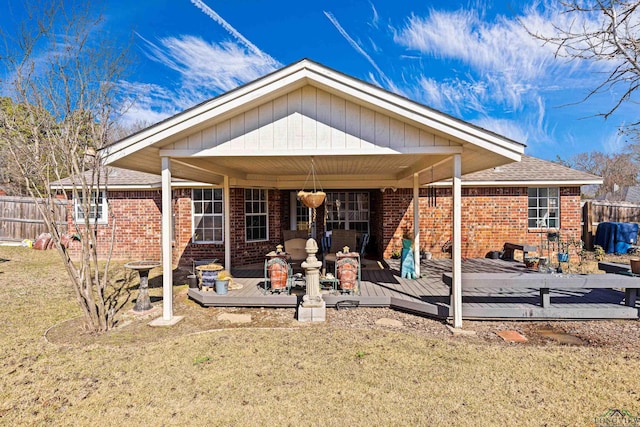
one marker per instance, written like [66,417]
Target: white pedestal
[312,314]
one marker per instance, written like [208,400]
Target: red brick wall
[491,216]
[138,220]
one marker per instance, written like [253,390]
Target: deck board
[428,296]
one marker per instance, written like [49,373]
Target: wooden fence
[20,218]
[595,212]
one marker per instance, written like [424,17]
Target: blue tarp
[616,237]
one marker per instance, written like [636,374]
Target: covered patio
[265,134]
[429,296]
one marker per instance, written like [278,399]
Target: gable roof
[121,179]
[357,132]
[532,171]
[629,194]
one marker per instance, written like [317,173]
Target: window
[255,211]
[97,210]
[348,211]
[544,207]
[302,216]
[208,215]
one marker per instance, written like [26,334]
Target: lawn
[286,374]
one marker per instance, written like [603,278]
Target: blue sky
[472,60]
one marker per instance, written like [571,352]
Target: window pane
[204,216]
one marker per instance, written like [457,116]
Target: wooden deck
[429,296]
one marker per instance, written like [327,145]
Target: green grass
[311,375]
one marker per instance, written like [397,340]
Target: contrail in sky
[235,33]
[361,51]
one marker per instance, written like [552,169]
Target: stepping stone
[385,321]
[457,332]
[511,336]
[235,318]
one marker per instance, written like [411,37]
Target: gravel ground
[612,334]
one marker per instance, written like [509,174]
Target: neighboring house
[514,202]
[628,194]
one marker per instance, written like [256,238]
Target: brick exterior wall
[138,220]
[491,216]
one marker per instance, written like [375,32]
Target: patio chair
[340,239]
[348,272]
[278,275]
[295,249]
[294,234]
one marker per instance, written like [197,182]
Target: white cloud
[386,81]
[204,69]
[212,67]
[503,58]
[508,128]
[235,33]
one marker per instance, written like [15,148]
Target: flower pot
[563,257]
[635,265]
[348,276]
[222,286]
[278,275]
[532,263]
[312,199]
[192,279]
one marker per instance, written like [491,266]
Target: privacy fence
[595,212]
[20,218]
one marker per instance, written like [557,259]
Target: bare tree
[602,32]
[616,169]
[61,80]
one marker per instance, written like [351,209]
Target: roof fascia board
[570,183]
[221,152]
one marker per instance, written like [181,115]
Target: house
[506,203]
[383,160]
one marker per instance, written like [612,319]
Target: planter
[312,199]
[222,286]
[563,257]
[532,263]
[208,274]
[348,274]
[278,275]
[635,265]
[192,279]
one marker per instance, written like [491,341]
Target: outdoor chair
[278,275]
[340,239]
[294,234]
[295,249]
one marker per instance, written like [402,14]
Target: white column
[416,224]
[167,252]
[456,250]
[227,224]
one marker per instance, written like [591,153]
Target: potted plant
[222,282]
[532,262]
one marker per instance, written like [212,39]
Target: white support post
[227,224]
[416,224]
[456,250]
[167,252]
